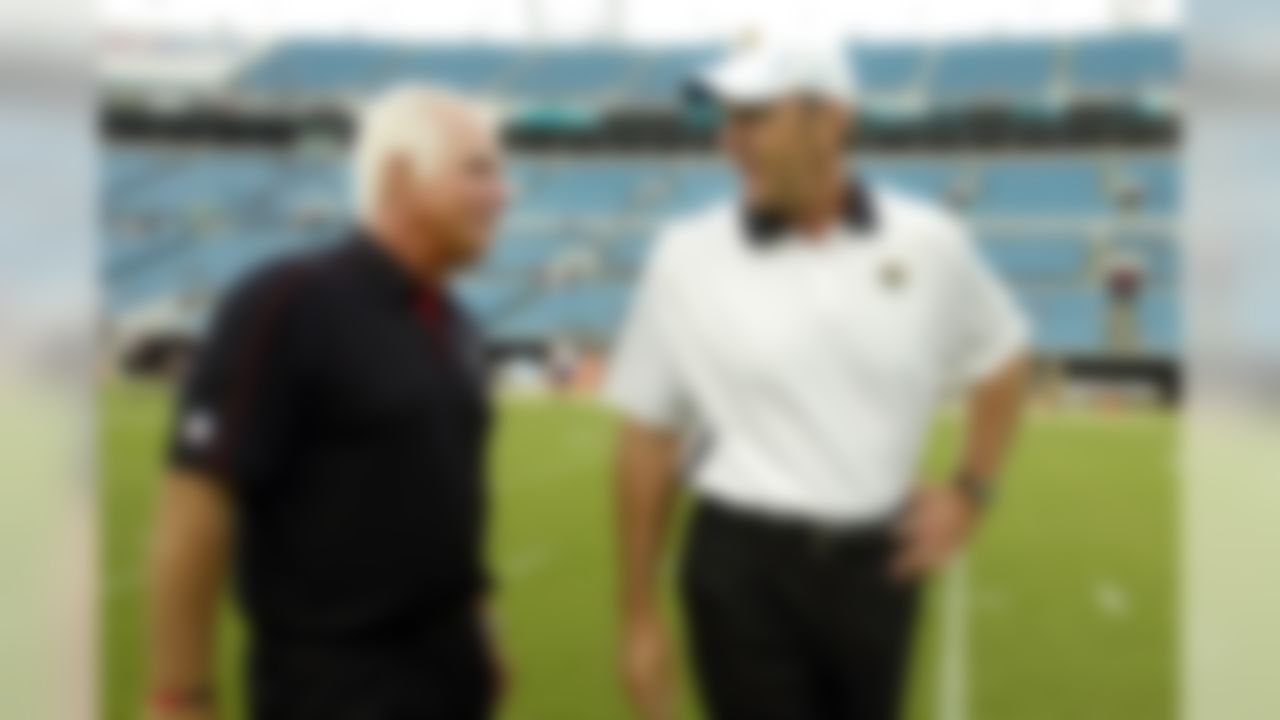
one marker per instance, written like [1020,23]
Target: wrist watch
[976,488]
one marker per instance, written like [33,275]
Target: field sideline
[1065,611]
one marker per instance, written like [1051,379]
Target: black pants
[443,674]
[793,622]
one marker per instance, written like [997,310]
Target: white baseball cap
[763,72]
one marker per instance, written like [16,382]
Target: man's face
[779,147]
[458,206]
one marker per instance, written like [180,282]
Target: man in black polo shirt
[329,447]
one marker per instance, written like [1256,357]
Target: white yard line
[952,699]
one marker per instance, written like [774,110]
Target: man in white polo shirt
[785,353]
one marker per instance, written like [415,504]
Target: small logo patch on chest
[893,275]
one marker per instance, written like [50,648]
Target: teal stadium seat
[581,73]
[319,67]
[885,69]
[1053,187]
[1070,320]
[1008,72]
[662,73]
[1123,64]
[467,67]
[1030,258]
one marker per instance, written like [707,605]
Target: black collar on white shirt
[765,226]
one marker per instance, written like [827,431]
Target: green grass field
[1063,611]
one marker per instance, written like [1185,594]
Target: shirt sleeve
[235,406]
[643,380]
[989,329]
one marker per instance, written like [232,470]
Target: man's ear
[849,127]
[397,179]
[830,122]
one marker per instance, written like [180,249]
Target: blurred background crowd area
[1061,152]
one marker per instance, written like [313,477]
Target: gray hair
[406,121]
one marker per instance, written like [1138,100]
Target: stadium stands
[1026,72]
[605,187]
[1066,186]
[695,185]
[187,221]
[318,67]
[1155,253]
[213,183]
[1069,320]
[937,179]
[525,251]
[184,219]
[583,74]
[488,295]
[466,66]
[628,251]
[661,74]
[1160,321]
[888,69]
[591,309]
[1156,179]
[1124,64]
[1035,259]
[1013,73]
[309,187]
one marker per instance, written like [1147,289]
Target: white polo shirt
[810,369]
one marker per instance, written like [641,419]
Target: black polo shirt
[345,407]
